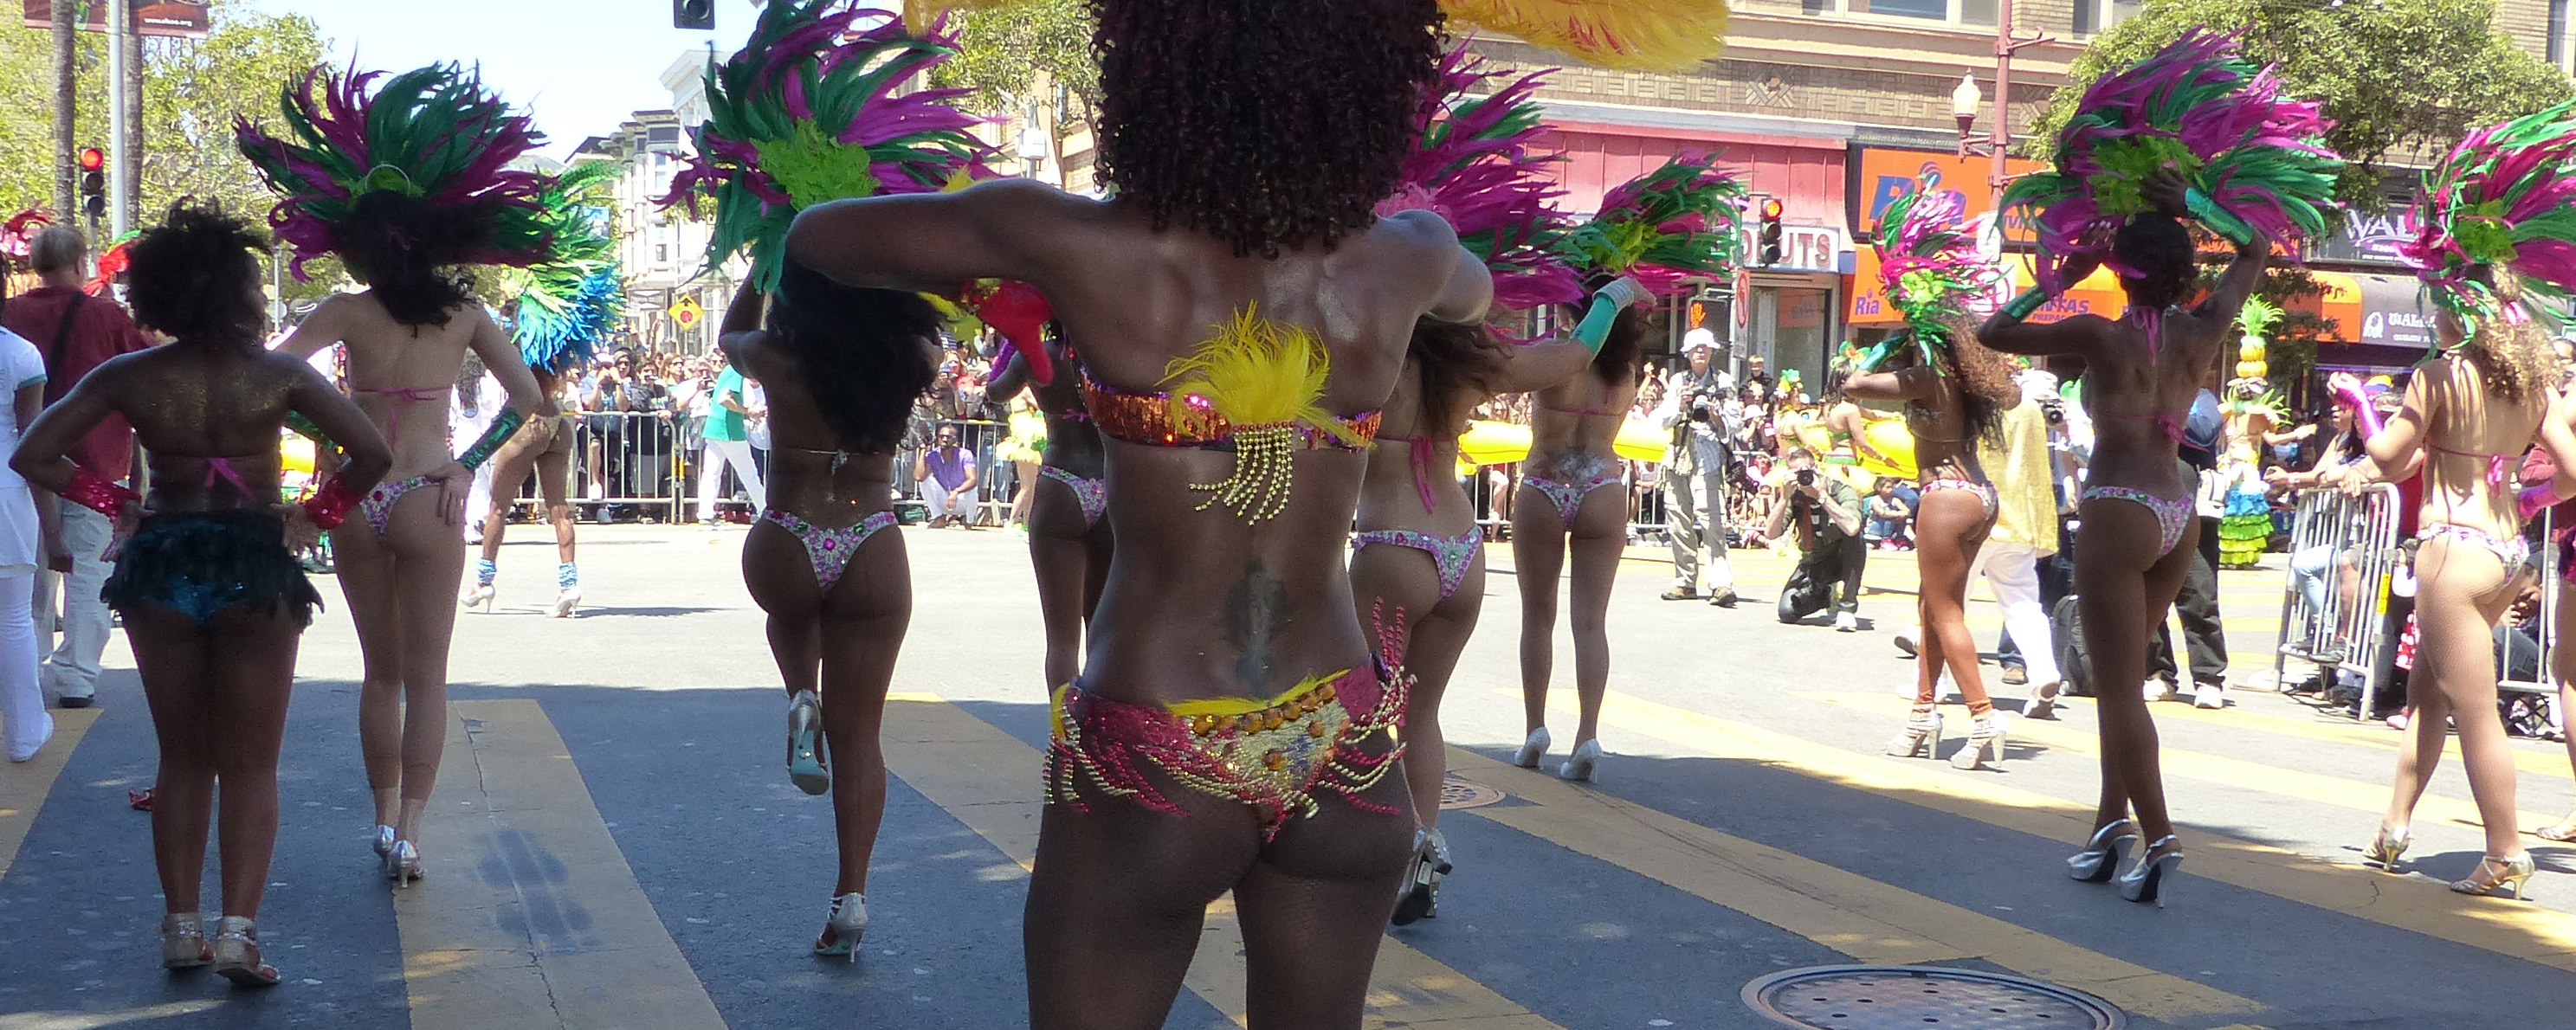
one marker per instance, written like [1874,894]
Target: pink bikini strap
[393,420]
[1422,454]
[222,469]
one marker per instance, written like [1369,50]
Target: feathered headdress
[1662,227]
[431,133]
[18,237]
[1472,165]
[2200,108]
[807,112]
[1928,266]
[2505,198]
[571,300]
[1662,35]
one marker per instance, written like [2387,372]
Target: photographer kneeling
[1831,551]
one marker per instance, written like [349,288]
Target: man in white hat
[1694,474]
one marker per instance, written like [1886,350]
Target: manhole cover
[1867,997]
[1461,793]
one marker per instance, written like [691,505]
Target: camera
[1806,477]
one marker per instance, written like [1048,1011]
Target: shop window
[2559,43]
[1959,12]
[2094,17]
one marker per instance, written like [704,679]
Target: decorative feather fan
[1663,227]
[1929,267]
[570,301]
[432,133]
[808,112]
[2199,107]
[2506,198]
[1472,165]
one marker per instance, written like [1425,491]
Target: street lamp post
[1965,100]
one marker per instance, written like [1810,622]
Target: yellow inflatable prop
[1501,443]
[295,456]
[1891,439]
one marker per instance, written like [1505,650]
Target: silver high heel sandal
[841,932]
[183,941]
[1920,737]
[805,745]
[402,864]
[2386,848]
[1579,765]
[384,841]
[1987,734]
[236,953]
[2145,881]
[1532,749]
[2100,859]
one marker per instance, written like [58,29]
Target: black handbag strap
[54,356]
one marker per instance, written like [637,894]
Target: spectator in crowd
[76,333]
[729,444]
[1825,515]
[2197,604]
[2016,460]
[32,540]
[1694,474]
[1888,516]
[946,474]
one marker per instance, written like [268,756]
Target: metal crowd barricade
[626,460]
[2343,556]
[996,480]
[2546,556]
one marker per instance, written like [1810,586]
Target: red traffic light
[1771,207]
[92,159]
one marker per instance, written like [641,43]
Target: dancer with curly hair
[1954,391]
[566,308]
[213,601]
[2130,168]
[1231,728]
[2493,234]
[405,183]
[1474,164]
[1653,232]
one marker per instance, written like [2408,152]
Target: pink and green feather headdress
[1663,228]
[2505,198]
[808,112]
[1473,166]
[1928,266]
[2201,108]
[433,133]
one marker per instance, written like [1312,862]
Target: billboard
[182,19]
[1881,176]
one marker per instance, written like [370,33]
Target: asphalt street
[615,845]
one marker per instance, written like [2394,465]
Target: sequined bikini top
[1253,389]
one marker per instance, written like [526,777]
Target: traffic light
[693,14]
[93,184]
[1769,233]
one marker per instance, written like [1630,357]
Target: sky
[581,66]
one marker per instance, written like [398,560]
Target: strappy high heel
[384,842]
[2387,847]
[402,864]
[2145,881]
[1987,734]
[183,941]
[1532,749]
[842,930]
[1580,764]
[2510,874]
[2101,856]
[805,745]
[236,953]
[1421,899]
[1920,737]
[480,593]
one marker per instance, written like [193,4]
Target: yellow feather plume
[1660,35]
[1256,372]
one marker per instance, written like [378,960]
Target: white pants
[22,698]
[960,504]
[1695,520]
[478,503]
[2012,570]
[711,465]
[82,617]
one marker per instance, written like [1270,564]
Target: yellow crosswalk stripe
[530,917]
[1860,917]
[24,786]
[989,781]
[2209,768]
[2510,928]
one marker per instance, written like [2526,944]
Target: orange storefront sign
[2338,300]
[1887,175]
[2098,294]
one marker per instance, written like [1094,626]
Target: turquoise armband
[1594,330]
[305,428]
[2029,301]
[2217,218]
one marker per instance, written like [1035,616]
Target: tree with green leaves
[2402,79]
[1033,53]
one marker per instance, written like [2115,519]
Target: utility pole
[2000,140]
[66,80]
[119,25]
[130,148]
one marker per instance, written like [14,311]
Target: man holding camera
[1694,473]
[1826,514]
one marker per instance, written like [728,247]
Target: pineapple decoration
[2252,409]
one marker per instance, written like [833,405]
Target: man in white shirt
[1694,473]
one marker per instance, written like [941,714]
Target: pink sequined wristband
[330,505]
[99,495]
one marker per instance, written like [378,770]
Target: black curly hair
[866,353]
[401,246]
[1266,124]
[1447,356]
[196,276]
[2158,249]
